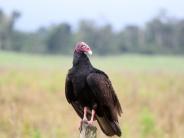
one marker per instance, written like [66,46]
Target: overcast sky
[36,13]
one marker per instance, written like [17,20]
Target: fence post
[87,131]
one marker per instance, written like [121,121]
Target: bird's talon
[80,126]
[90,123]
[84,120]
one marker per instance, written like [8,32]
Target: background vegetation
[161,35]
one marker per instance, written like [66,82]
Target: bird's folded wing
[102,88]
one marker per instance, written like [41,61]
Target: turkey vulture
[91,94]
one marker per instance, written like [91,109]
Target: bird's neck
[81,59]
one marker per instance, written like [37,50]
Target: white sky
[119,13]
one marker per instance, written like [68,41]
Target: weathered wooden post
[87,131]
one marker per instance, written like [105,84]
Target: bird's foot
[80,125]
[90,122]
[84,119]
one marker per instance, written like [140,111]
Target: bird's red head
[82,47]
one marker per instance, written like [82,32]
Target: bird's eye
[83,46]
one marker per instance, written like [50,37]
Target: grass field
[33,105]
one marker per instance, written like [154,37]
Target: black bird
[91,94]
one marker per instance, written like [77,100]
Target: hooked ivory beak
[90,52]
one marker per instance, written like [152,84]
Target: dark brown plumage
[91,94]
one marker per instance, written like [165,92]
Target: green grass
[8,59]
[117,63]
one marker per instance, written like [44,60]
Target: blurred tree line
[161,35]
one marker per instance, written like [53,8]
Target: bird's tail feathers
[110,128]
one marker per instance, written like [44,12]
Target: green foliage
[161,35]
[6,29]
[99,38]
[36,133]
[147,123]
[59,39]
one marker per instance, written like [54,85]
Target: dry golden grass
[33,104]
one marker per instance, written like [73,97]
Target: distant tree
[161,35]
[105,40]
[6,29]
[28,42]
[179,37]
[87,32]
[100,38]
[3,30]
[120,42]
[131,34]
[59,39]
